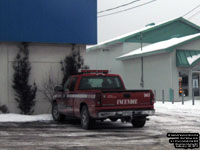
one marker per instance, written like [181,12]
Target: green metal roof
[160,47]
[178,27]
[183,55]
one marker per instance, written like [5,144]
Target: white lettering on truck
[126,101]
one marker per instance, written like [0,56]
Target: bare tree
[48,84]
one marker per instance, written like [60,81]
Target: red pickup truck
[98,95]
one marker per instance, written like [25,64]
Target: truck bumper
[128,113]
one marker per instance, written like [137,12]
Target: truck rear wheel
[86,121]
[138,122]
[113,119]
[55,113]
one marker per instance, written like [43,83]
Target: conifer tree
[24,92]
[72,64]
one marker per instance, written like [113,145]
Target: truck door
[69,101]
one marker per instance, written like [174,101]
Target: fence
[168,96]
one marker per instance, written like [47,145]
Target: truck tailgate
[126,98]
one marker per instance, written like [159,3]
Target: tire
[113,119]
[86,121]
[55,113]
[138,122]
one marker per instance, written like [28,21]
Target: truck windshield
[100,82]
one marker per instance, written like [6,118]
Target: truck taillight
[98,99]
[152,98]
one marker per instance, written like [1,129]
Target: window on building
[183,84]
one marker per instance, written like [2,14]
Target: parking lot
[107,135]
[48,135]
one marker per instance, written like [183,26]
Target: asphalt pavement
[105,136]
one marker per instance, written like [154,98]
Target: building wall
[194,45]
[175,76]
[130,46]
[55,21]
[106,58]
[44,58]
[157,68]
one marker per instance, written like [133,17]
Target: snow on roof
[158,46]
[193,58]
[132,33]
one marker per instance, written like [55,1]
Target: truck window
[67,84]
[72,84]
[100,82]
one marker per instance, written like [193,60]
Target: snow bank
[192,59]
[177,107]
[24,118]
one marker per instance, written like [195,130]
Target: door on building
[195,83]
[183,84]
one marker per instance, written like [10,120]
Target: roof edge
[180,44]
[124,37]
[143,55]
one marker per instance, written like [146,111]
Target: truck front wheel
[86,121]
[55,113]
[138,122]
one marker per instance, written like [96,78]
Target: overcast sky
[158,11]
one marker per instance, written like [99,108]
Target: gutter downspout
[142,63]
[192,87]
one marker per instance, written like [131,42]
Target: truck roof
[96,74]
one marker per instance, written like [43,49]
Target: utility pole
[142,63]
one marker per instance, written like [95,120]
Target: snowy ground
[176,109]
[175,115]
[47,135]
[24,118]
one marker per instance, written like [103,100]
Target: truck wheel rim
[84,118]
[55,112]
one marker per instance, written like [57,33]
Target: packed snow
[159,46]
[178,107]
[24,118]
[193,58]
[175,109]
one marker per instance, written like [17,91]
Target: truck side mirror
[58,89]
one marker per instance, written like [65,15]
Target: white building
[50,28]
[162,57]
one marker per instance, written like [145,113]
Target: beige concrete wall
[44,58]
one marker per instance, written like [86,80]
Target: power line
[126,9]
[191,10]
[194,14]
[118,7]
